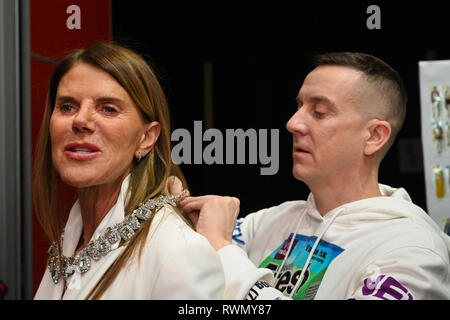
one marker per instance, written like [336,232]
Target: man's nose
[296,123]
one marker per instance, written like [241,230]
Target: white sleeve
[242,234]
[243,279]
[192,272]
[408,273]
[246,228]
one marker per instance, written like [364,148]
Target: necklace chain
[80,262]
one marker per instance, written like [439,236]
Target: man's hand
[174,186]
[214,217]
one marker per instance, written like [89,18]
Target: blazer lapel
[80,285]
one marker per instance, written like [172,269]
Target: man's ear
[379,132]
[149,138]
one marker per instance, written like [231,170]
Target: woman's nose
[83,121]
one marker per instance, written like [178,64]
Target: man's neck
[336,192]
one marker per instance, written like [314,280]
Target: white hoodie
[378,248]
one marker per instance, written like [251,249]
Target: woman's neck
[95,202]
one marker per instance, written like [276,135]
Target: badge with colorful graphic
[287,278]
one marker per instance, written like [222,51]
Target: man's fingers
[190,204]
[174,186]
[189,200]
[214,217]
[194,217]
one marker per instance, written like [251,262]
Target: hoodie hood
[396,203]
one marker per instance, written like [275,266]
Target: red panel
[40,75]
[40,78]
[51,38]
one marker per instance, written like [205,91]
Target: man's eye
[318,114]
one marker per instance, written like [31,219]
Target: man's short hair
[382,77]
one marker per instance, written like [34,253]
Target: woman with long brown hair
[106,132]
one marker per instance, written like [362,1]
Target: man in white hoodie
[353,238]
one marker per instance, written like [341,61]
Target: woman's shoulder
[182,262]
[171,231]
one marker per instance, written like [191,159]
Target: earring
[141,155]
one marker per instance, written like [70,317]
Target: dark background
[261,52]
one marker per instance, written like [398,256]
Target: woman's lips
[81,151]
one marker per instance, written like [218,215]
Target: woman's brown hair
[147,178]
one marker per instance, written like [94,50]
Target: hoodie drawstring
[306,265]
[290,244]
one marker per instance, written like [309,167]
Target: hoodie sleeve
[407,273]
[243,279]
[240,273]
[243,232]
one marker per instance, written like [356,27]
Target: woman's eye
[66,108]
[109,110]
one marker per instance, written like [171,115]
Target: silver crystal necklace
[80,262]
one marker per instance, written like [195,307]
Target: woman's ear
[379,132]
[148,139]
